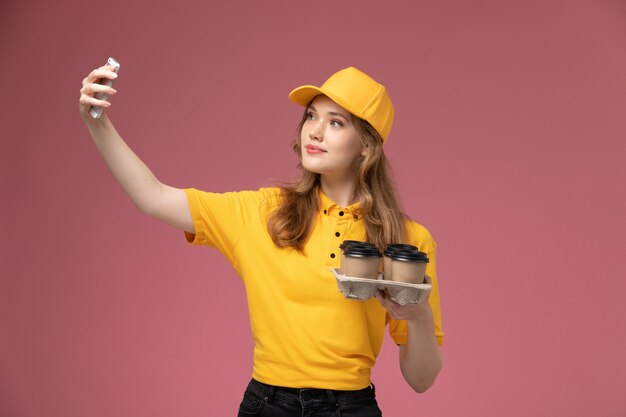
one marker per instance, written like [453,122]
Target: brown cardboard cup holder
[356,288]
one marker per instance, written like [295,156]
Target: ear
[365,151]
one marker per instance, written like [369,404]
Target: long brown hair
[291,223]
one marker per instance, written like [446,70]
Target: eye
[336,123]
[310,116]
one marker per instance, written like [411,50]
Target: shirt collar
[328,206]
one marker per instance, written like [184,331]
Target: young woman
[314,349]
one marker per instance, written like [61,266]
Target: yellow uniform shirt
[306,334]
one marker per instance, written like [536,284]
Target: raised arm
[149,195]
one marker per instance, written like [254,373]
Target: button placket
[341,224]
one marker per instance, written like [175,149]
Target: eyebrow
[332,113]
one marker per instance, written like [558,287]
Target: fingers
[380,297]
[403,312]
[105,71]
[391,306]
[94,91]
[90,89]
[93,83]
[386,301]
[88,95]
[89,101]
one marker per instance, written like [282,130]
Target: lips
[314,149]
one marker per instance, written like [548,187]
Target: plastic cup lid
[401,246]
[348,243]
[409,256]
[360,251]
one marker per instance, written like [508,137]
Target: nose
[316,132]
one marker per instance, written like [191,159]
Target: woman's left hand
[409,311]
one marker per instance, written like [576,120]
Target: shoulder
[259,195]
[418,235]
[263,197]
[270,192]
[269,196]
[267,199]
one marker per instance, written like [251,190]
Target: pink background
[509,145]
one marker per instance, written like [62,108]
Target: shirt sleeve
[398,328]
[220,220]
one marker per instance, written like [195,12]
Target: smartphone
[96,112]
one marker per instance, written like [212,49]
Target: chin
[314,168]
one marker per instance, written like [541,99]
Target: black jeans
[270,401]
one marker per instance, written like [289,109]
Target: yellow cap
[356,92]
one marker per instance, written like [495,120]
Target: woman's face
[330,143]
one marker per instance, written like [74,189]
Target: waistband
[304,395]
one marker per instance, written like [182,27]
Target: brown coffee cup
[388,253]
[360,261]
[408,266]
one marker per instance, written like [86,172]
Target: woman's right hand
[91,86]
[168,204]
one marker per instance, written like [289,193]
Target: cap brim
[304,94]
